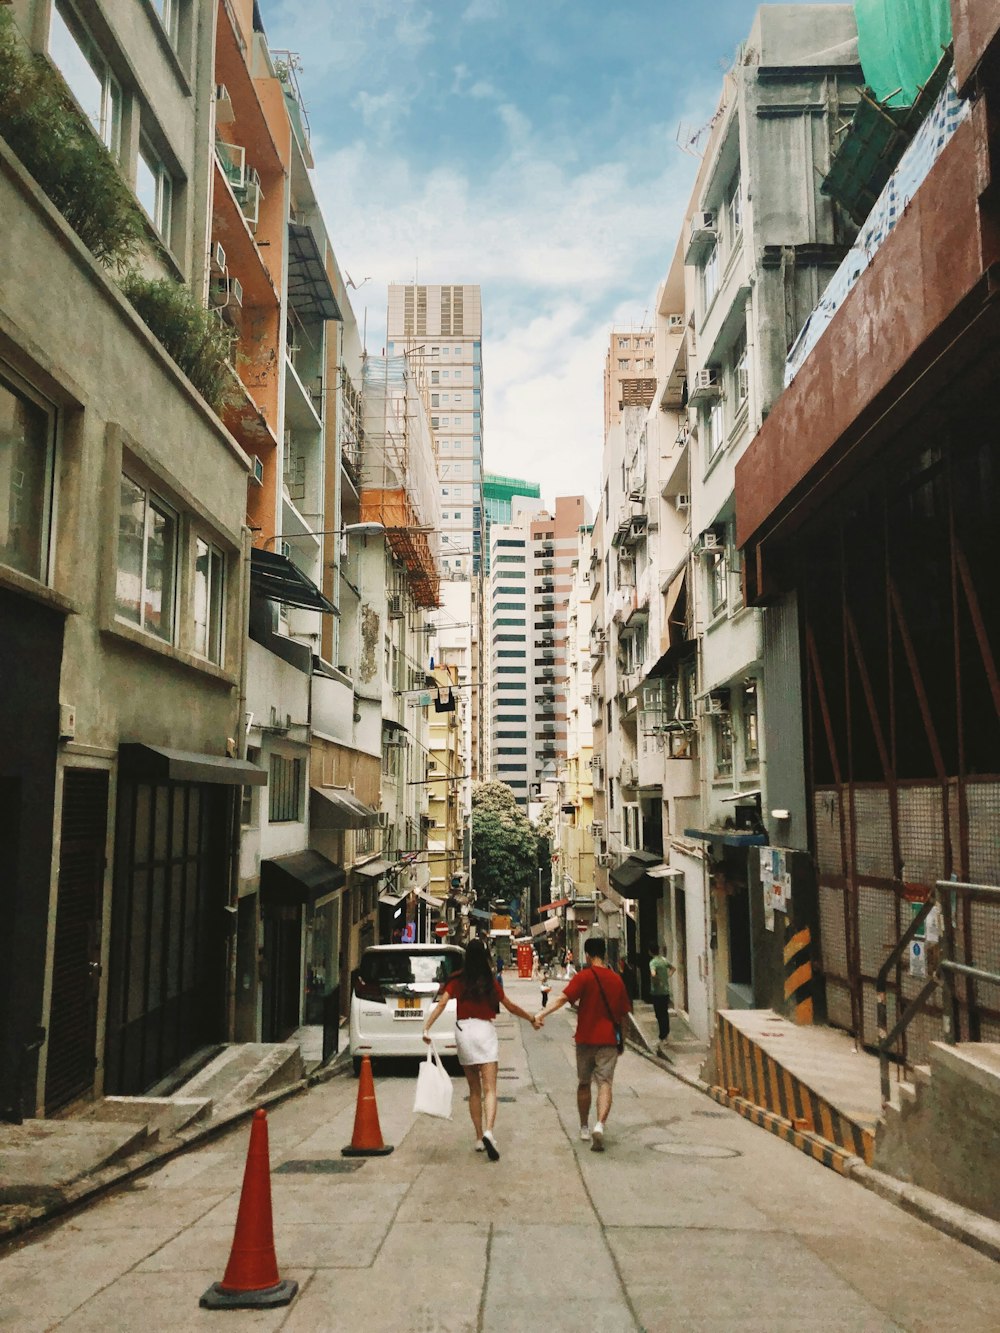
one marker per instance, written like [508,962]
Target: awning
[478,914]
[629,876]
[390,724]
[298,879]
[742,796]
[373,868]
[607,908]
[275,577]
[392,899]
[545,927]
[337,808]
[436,903]
[730,837]
[154,763]
[310,291]
[553,907]
[661,872]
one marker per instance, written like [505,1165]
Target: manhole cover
[694,1150]
[318,1166]
[506,1099]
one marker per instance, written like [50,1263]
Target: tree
[504,844]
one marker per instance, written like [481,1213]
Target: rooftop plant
[192,335]
[44,127]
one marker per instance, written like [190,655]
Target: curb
[962,1224]
[16,1219]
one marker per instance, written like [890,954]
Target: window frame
[162,216]
[19,387]
[212,549]
[155,502]
[287,793]
[109,128]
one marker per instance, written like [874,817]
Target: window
[718,582]
[435,377]
[734,208]
[27,439]
[80,62]
[209,586]
[751,751]
[623,363]
[247,806]
[435,400]
[147,560]
[154,188]
[715,428]
[445,374]
[710,278]
[285,789]
[723,737]
[169,12]
[741,376]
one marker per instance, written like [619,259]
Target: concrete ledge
[976,1061]
[960,1223]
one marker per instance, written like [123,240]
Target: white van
[392,991]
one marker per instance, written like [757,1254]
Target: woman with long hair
[478,999]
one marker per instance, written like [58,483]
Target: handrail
[887,1039]
[946,892]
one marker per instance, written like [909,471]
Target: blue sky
[527,147]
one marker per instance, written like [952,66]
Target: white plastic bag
[434,1088]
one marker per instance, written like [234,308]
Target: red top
[593,1025]
[469,1007]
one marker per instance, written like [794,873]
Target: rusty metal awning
[310,291]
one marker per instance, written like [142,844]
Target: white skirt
[477,1042]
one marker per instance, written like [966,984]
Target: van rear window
[398,967]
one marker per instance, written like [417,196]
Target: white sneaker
[585,1133]
[597,1139]
[480,1145]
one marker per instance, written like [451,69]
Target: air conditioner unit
[285,549]
[218,261]
[396,611]
[703,221]
[682,502]
[675,323]
[717,704]
[224,114]
[383,818]
[706,384]
[226,296]
[711,542]
[605,859]
[597,828]
[232,159]
[257,476]
[250,196]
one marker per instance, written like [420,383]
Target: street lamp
[370,529]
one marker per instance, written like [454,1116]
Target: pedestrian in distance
[602,1002]
[660,972]
[478,999]
[546,986]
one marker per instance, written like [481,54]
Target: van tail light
[367,990]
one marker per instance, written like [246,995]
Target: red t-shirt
[593,1025]
[472,1008]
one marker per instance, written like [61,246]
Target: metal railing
[947,894]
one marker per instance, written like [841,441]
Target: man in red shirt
[603,1003]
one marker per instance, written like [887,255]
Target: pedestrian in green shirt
[660,972]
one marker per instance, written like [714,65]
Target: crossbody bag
[619,1037]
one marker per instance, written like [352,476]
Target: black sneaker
[492,1151]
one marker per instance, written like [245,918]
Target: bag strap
[614,1021]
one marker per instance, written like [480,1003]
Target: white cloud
[482,11]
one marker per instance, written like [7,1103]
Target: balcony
[546,642]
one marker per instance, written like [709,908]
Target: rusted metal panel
[975,26]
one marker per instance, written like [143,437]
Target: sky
[529,146]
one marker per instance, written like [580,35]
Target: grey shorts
[595,1062]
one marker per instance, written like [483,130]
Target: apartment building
[503,497]
[510,656]
[629,372]
[122,581]
[440,329]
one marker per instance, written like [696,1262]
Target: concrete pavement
[692,1219]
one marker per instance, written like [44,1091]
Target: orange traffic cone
[251,1279]
[367,1138]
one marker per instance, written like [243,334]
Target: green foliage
[43,126]
[189,333]
[504,844]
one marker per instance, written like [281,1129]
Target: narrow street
[692,1219]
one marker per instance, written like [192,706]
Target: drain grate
[317,1166]
[694,1150]
[712,1115]
[506,1099]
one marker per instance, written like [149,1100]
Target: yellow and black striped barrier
[799,974]
[748,1072]
[811,1144]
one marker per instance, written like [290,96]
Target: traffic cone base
[218,1298]
[366,1141]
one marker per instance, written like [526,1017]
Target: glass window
[751,750]
[209,578]
[27,434]
[248,804]
[723,735]
[741,376]
[719,577]
[80,62]
[154,189]
[735,210]
[284,789]
[710,277]
[715,428]
[147,560]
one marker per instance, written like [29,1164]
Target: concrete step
[162,1116]
[43,1156]
[240,1074]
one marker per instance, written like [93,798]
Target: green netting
[900,42]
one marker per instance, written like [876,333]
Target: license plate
[408,1008]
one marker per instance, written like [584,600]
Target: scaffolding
[398,476]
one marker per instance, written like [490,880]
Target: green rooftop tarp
[900,43]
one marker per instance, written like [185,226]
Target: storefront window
[322,956]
